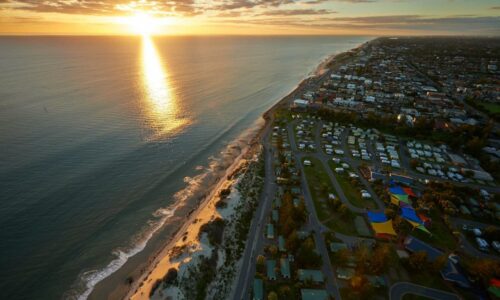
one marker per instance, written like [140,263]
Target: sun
[143,23]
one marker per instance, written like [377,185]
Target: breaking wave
[197,187]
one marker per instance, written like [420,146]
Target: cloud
[98,7]
[414,23]
[297,12]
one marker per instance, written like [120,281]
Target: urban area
[383,180]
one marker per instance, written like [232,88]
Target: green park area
[331,212]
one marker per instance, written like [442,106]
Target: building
[258,289]
[270,231]
[285,268]
[313,294]
[313,275]
[271,269]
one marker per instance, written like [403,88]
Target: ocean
[102,139]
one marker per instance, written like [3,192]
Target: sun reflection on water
[164,116]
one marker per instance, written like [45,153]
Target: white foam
[196,187]
[91,278]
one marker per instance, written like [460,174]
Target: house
[285,268]
[270,231]
[313,294]
[336,247]
[313,275]
[271,272]
[345,273]
[300,104]
[281,243]
[258,289]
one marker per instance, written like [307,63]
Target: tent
[409,214]
[409,192]
[397,190]
[377,217]
[403,198]
[398,199]
[384,228]
[422,227]
[425,219]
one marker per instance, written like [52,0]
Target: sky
[250,17]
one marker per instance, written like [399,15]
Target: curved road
[400,289]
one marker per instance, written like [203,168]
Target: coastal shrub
[170,277]
[225,192]
[214,230]
[154,287]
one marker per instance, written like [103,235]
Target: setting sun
[144,23]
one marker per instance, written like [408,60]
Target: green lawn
[342,224]
[320,185]
[491,107]
[351,191]
[441,237]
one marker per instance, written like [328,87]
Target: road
[256,232]
[400,289]
[255,239]
[331,281]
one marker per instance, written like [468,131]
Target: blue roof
[413,244]
[397,190]
[271,273]
[376,217]
[453,272]
[312,294]
[410,214]
[258,289]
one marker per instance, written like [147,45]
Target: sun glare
[144,24]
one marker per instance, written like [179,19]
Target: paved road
[255,239]
[256,233]
[332,286]
[398,290]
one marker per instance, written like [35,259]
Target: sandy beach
[187,237]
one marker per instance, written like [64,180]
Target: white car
[365,194]
[307,163]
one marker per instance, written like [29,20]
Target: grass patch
[342,224]
[352,192]
[441,236]
[320,186]
[491,107]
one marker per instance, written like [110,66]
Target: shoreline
[254,136]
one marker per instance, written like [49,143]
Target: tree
[380,259]
[363,257]
[272,296]
[483,269]
[342,256]
[307,256]
[414,163]
[343,210]
[292,242]
[273,250]
[418,260]
[439,263]
[261,260]
[285,291]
